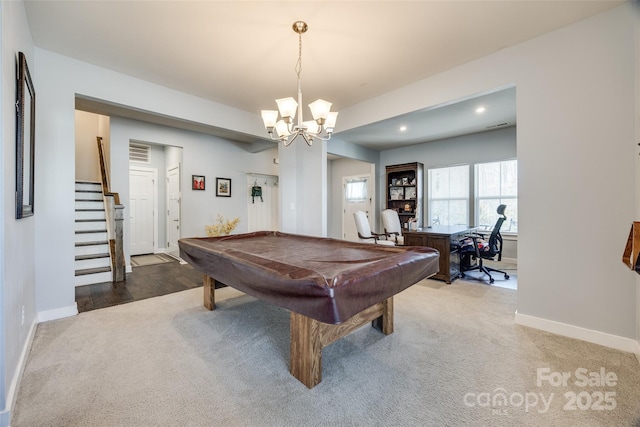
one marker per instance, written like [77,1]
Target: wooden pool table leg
[209,285]
[384,323]
[309,337]
[305,361]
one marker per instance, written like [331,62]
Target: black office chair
[479,249]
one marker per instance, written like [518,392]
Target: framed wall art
[197,182]
[25,140]
[223,187]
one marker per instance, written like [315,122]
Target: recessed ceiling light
[480,110]
[403,128]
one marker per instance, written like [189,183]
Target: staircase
[92,262]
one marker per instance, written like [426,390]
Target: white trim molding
[12,393]
[596,337]
[58,313]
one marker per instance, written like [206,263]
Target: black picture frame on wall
[25,139]
[197,182]
[223,187]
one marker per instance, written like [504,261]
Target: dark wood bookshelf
[405,191]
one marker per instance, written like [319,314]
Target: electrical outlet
[22,322]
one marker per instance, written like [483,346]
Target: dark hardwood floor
[144,282]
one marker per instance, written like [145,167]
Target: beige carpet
[454,355]
[150,259]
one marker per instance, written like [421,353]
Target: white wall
[481,147]
[303,189]
[17,237]
[89,126]
[87,159]
[576,158]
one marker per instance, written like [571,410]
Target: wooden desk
[444,238]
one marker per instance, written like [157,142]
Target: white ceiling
[243,53]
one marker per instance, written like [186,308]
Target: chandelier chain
[299,63]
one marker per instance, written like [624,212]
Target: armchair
[392,227]
[480,249]
[364,230]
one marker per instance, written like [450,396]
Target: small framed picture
[396,193]
[410,193]
[197,182]
[223,187]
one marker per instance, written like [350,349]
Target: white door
[356,196]
[142,197]
[262,211]
[173,210]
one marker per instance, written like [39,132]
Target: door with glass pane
[355,197]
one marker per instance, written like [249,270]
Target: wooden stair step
[92,271]
[91,256]
[94,243]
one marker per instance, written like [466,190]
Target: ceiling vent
[139,153]
[499,125]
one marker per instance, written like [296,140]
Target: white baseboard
[58,313]
[596,337]
[5,415]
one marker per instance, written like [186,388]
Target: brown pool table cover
[326,279]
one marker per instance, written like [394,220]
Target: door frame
[371,214]
[155,201]
[169,168]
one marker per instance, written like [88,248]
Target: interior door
[355,197]
[173,211]
[142,194]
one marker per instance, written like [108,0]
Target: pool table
[331,286]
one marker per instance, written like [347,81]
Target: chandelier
[321,127]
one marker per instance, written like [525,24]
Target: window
[356,190]
[448,195]
[496,184]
